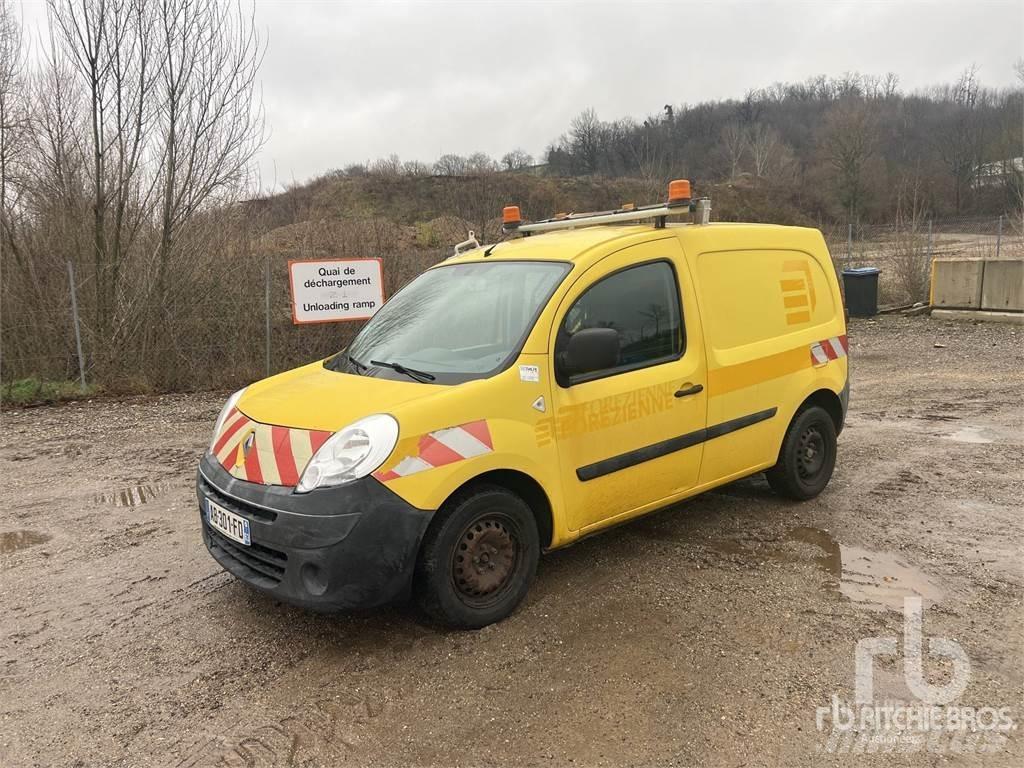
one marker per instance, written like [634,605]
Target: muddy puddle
[873,580]
[966,433]
[12,541]
[132,496]
[969,435]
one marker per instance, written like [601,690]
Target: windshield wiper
[412,373]
[356,363]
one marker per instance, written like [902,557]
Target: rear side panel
[775,334]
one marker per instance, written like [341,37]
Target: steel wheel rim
[486,557]
[811,452]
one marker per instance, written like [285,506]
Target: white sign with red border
[333,290]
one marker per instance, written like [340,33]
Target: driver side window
[641,304]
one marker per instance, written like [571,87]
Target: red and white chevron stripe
[265,453]
[828,349]
[445,446]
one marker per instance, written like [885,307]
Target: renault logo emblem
[245,447]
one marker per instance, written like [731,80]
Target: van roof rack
[679,202]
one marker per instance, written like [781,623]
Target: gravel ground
[707,634]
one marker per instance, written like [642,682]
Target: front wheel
[807,457]
[478,558]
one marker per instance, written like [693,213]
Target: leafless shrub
[908,249]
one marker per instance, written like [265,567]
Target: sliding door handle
[690,389]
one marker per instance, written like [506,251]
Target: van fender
[429,474]
[835,383]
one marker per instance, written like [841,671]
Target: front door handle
[692,389]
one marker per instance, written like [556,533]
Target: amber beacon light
[679,192]
[510,217]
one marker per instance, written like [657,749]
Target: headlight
[351,453]
[231,403]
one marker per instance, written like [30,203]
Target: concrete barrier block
[1002,288]
[958,284]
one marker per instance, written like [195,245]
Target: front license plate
[233,526]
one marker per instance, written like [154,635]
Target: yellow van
[585,370]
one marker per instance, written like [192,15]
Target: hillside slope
[436,211]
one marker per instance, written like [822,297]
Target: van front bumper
[332,549]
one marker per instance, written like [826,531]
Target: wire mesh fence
[213,330]
[903,251]
[216,331]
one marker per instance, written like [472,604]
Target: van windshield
[453,323]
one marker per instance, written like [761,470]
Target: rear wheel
[478,558]
[807,457]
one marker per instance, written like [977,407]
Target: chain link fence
[226,322]
[904,251]
[245,329]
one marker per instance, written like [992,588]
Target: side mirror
[589,350]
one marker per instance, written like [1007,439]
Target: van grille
[262,565]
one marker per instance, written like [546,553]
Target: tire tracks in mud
[327,732]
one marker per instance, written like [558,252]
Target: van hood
[315,398]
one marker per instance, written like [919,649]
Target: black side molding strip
[665,447]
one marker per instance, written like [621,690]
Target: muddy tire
[478,558]
[807,456]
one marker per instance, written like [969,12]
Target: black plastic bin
[860,285]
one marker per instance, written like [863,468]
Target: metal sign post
[78,330]
[267,312]
[929,243]
[849,243]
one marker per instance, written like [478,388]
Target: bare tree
[960,140]
[585,136]
[83,32]
[647,149]
[516,160]
[416,168]
[890,85]
[750,109]
[13,106]
[480,162]
[109,47]
[850,140]
[734,145]
[389,167]
[450,165]
[13,118]
[765,145]
[210,121]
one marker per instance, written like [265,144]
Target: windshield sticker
[435,449]
[529,373]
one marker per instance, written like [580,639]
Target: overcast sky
[345,82]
